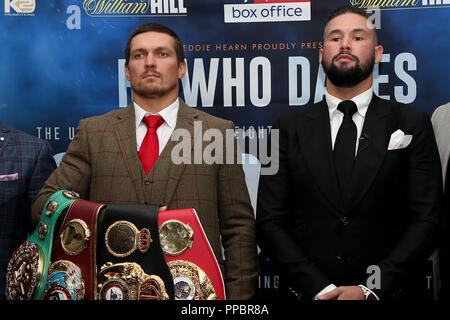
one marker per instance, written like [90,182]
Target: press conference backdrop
[248,61]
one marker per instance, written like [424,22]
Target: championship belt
[193,265]
[132,264]
[73,273]
[127,281]
[28,267]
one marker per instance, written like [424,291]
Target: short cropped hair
[348,9]
[156,27]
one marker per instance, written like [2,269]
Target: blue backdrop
[248,61]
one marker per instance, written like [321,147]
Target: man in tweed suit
[25,164]
[102,162]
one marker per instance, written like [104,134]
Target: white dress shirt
[362,102]
[169,114]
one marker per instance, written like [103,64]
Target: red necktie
[149,150]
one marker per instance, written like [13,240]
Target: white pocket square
[9,177]
[399,140]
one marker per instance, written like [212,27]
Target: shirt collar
[362,101]
[169,113]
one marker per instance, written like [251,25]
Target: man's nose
[346,44]
[150,61]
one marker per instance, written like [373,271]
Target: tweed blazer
[102,165]
[25,163]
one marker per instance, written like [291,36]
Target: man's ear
[181,69]
[378,53]
[127,72]
[320,56]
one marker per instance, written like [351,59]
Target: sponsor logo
[268,11]
[400,4]
[19,7]
[134,8]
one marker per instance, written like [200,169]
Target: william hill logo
[400,4]
[123,8]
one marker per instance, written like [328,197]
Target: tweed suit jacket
[25,163]
[102,165]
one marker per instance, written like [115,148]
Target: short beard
[153,93]
[348,77]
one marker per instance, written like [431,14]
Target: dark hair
[348,9]
[156,27]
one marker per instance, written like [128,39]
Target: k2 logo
[20,6]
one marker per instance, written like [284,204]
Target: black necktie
[344,146]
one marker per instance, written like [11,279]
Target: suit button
[344,221]
[147,182]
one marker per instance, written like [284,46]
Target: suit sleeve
[73,172]
[423,212]
[237,224]
[273,225]
[44,165]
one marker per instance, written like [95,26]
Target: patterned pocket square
[9,177]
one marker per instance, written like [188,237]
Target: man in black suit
[354,211]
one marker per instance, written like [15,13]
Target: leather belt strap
[129,234]
[188,252]
[64,199]
[36,251]
[77,242]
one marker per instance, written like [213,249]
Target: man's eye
[163,54]
[335,39]
[138,56]
[358,38]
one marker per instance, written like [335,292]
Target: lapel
[314,135]
[185,120]
[125,131]
[4,137]
[372,149]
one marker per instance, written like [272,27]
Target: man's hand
[163,208]
[343,293]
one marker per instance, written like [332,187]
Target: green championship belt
[28,267]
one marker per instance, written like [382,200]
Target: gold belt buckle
[128,281]
[75,237]
[24,271]
[175,237]
[191,282]
[122,238]
[65,282]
